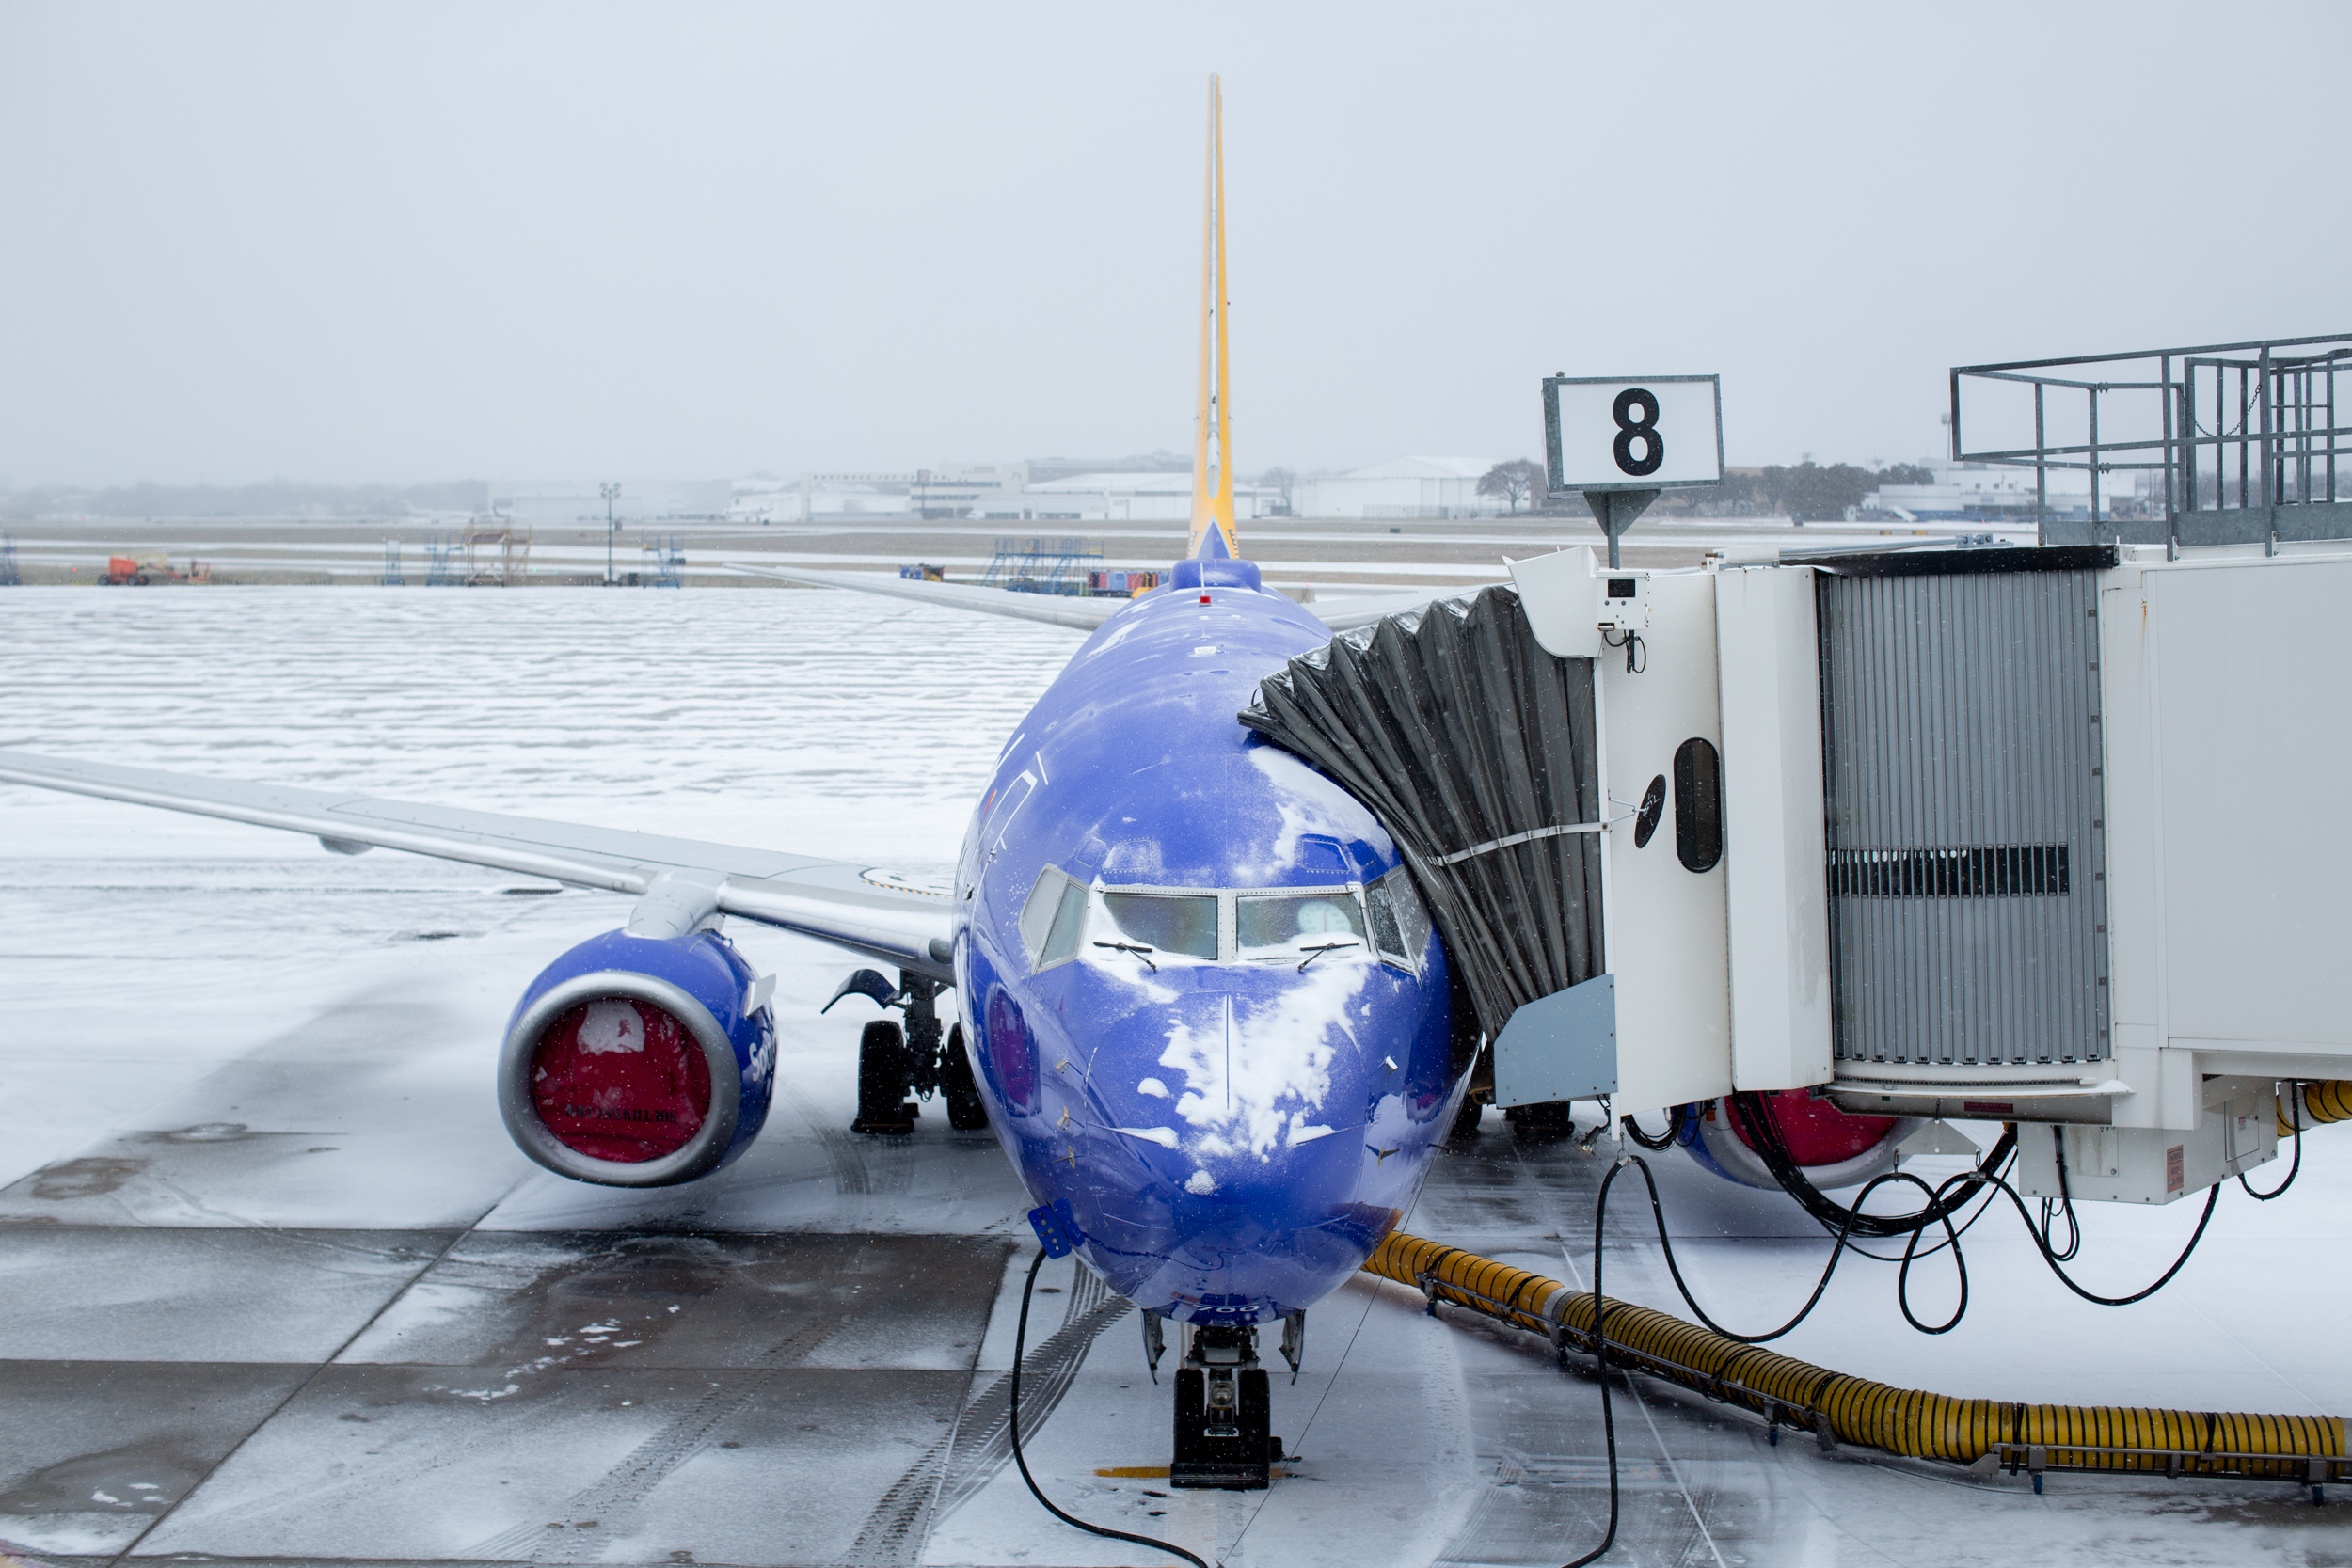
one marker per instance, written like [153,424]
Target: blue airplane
[1201,1000]
[1208,1018]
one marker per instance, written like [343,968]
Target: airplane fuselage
[1212,1024]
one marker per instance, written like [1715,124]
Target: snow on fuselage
[1202,1021]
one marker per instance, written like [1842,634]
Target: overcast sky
[408,242]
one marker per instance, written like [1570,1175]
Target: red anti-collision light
[1204,598]
[620,1079]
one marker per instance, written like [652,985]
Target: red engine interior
[620,1079]
[1816,1131]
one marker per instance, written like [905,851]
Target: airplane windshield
[1166,922]
[1286,926]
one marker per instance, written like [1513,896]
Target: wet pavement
[275,1287]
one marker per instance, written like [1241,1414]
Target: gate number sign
[1620,434]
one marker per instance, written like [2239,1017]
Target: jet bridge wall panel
[1966,862]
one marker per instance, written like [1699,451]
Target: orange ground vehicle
[125,571]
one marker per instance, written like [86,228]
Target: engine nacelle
[635,1062]
[1832,1149]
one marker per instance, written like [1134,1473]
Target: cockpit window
[1052,919]
[1286,925]
[1400,925]
[1166,922]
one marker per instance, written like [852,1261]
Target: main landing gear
[894,1063]
[1224,1413]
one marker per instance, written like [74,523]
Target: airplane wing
[870,913]
[1055,609]
[1084,614]
[1363,610]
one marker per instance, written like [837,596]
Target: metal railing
[2239,442]
[1043,565]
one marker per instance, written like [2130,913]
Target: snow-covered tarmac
[275,1286]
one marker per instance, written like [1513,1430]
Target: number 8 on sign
[1644,430]
[1632,432]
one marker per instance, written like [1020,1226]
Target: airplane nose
[1238,1183]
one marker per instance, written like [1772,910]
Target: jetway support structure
[2032,835]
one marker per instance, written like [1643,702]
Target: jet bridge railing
[2226,443]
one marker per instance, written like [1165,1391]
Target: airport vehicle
[125,571]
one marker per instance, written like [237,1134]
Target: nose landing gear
[1223,1412]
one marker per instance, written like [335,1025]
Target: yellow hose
[1841,1409]
[2323,1102]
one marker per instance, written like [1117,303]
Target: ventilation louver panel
[1966,850]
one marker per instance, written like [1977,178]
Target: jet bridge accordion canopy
[1476,750]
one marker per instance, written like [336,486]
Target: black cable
[2213,1196]
[1960,1261]
[1667,1245]
[1019,1344]
[1764,1136]
[1600,1354]
[2293,1171]
[2065,1200]
[2049,1256]
[1634,649]
[1969,1224]
[1944,1201]
[1663,1141]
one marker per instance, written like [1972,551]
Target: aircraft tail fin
[1213,535]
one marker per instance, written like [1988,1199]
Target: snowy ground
[273,1285]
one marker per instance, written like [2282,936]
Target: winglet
[1212,445]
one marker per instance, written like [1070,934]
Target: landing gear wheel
[1224,1410]
[1229,1448]
[1553,1118]
[882,1082]
[966,1111]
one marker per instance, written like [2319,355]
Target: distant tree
[1513,482]
[1810,492]
[1282,481]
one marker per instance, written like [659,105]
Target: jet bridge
[2038,835]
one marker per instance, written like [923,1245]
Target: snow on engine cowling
[636,1062]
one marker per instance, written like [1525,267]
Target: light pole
[609,492]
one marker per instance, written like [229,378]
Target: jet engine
[1832,1148]
[639,1062]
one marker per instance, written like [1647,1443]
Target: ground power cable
[2293,1171]
[2213,1196]
[1601,1360]
[1944,1201]
[1760,1129]
[1020,1345]
[2065,1203]
[1848,1219]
